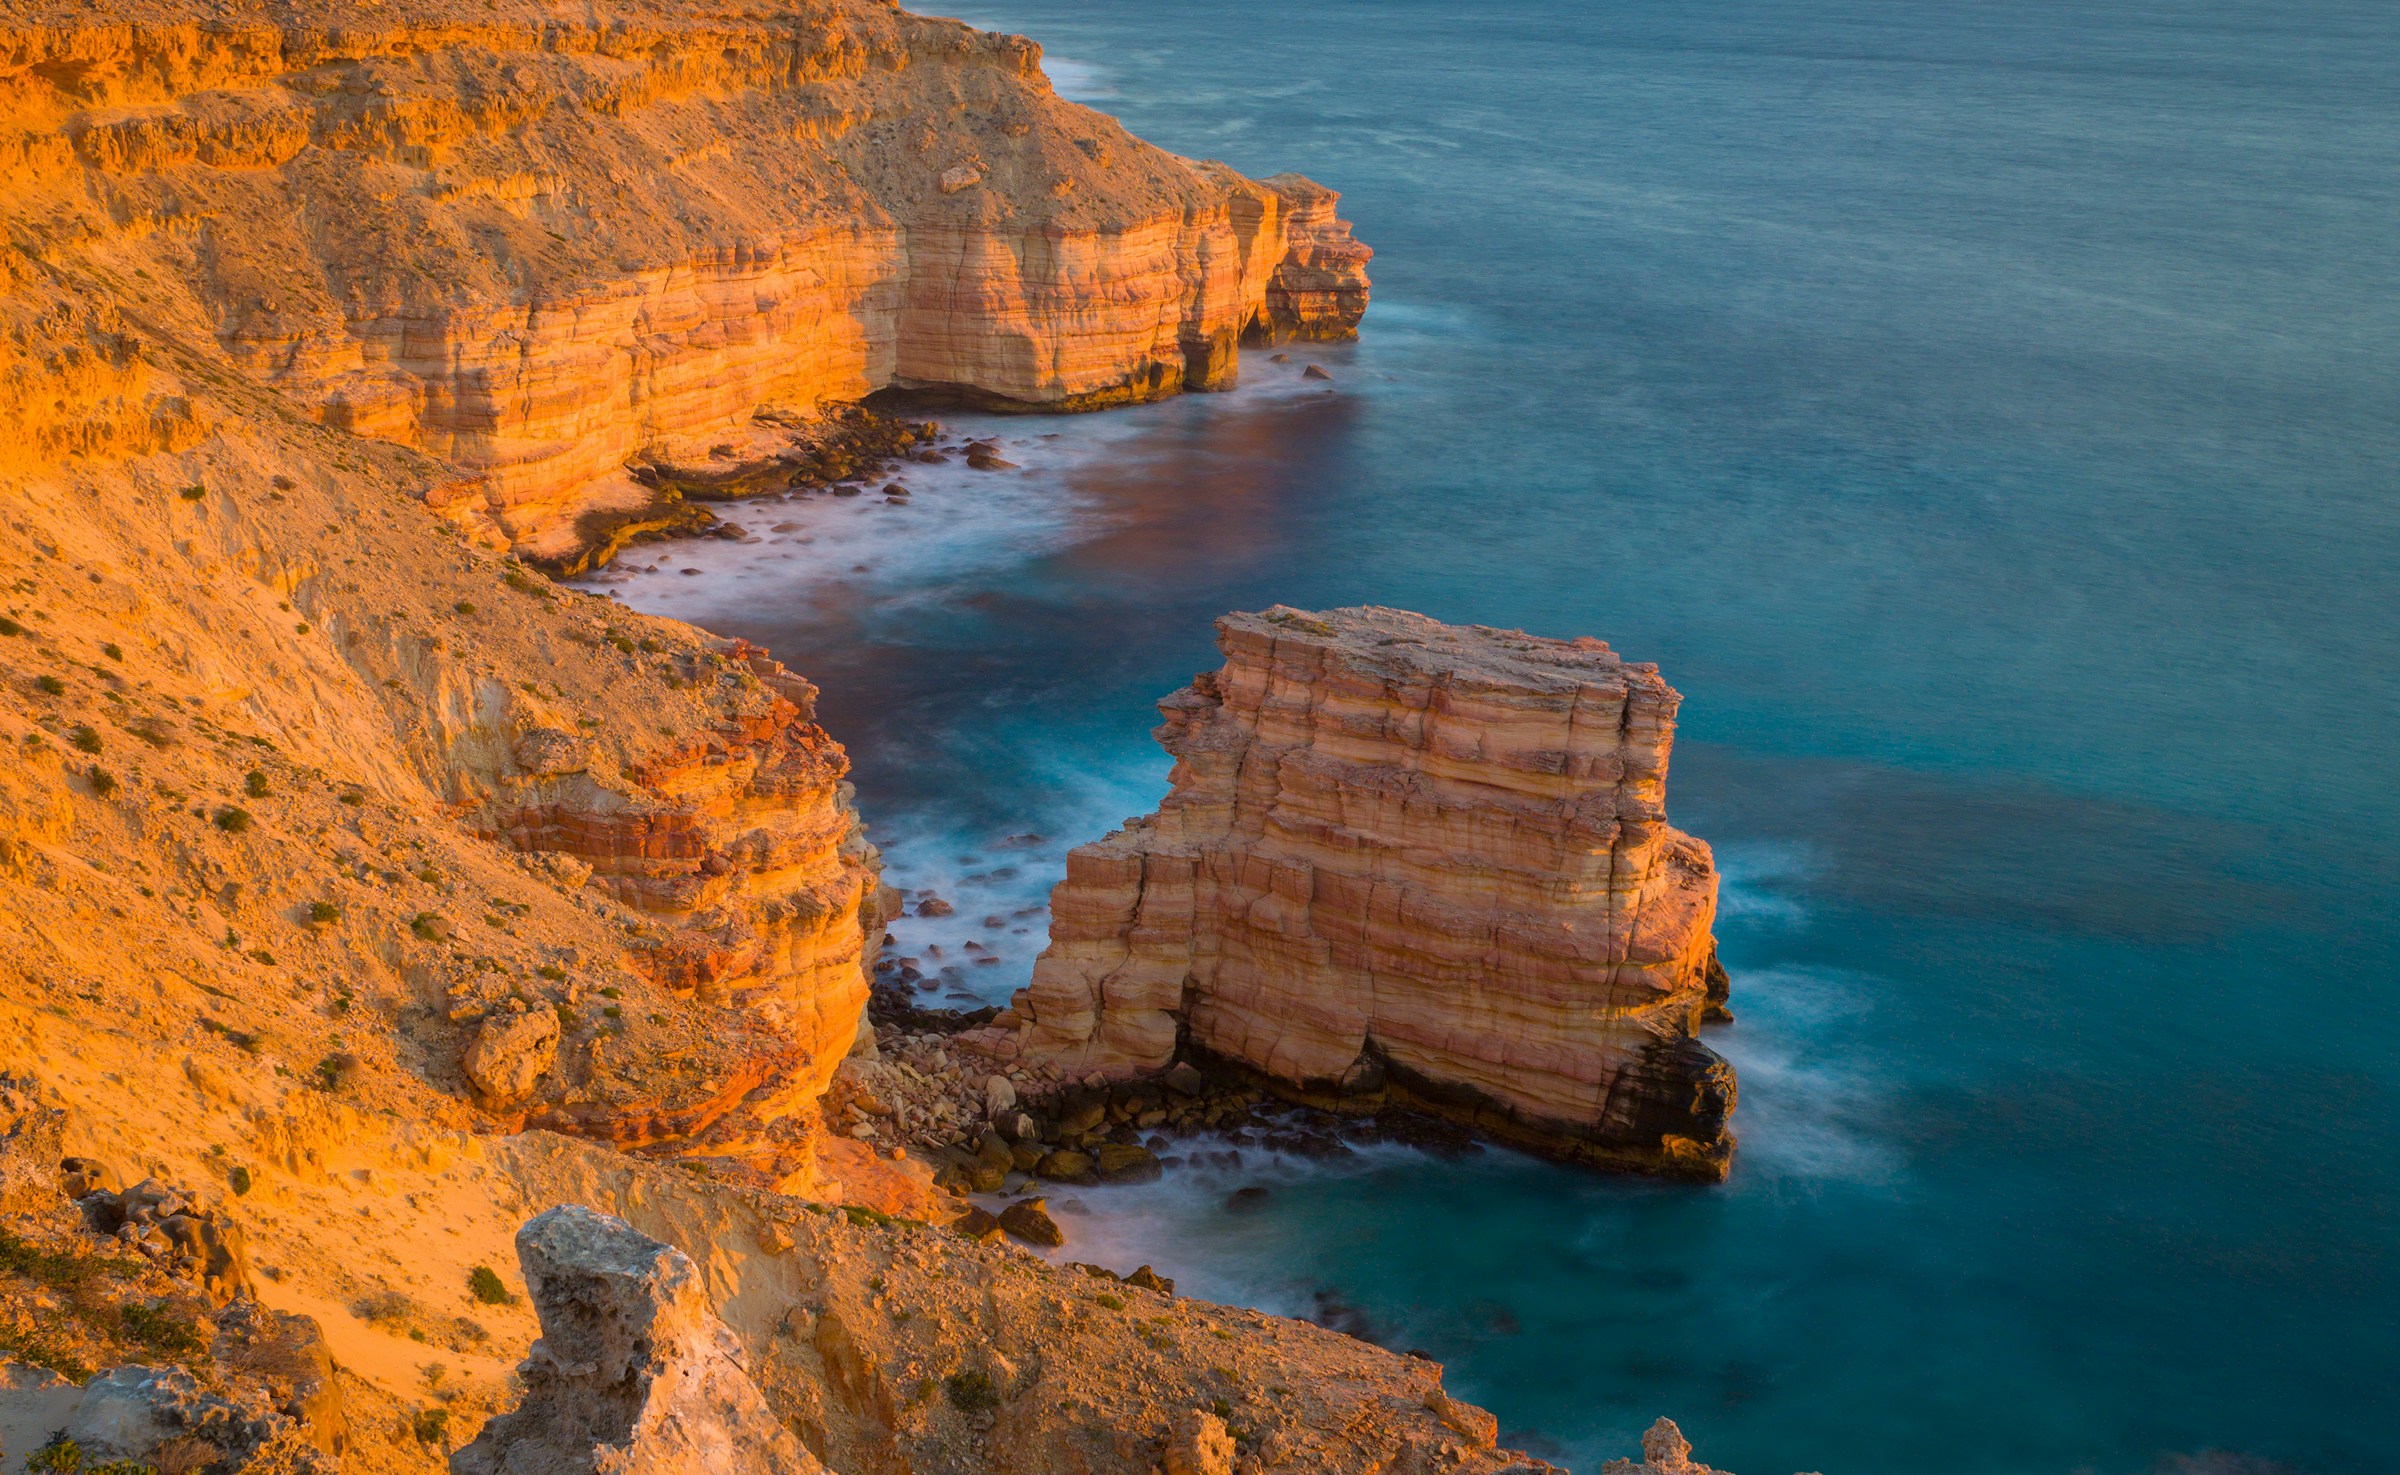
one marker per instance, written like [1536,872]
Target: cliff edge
[597,259]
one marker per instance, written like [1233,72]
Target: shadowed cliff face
[1409,859]
[541,248]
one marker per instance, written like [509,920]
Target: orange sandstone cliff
[547,246]
[362,893]
[1413,860]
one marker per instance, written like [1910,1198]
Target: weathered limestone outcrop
[1406,859]
[634,1374]
[1664,1452]
[544,247]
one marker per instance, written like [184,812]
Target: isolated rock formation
[1664,1452]
[1406,859]
[634,1374]
[543,247]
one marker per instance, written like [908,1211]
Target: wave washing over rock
[1407,860]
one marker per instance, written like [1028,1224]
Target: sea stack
[1412,862]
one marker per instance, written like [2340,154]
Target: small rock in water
[1029,1220]
[1314,371]
[934,907]
[1248,1200]
[689,573]
[1121,1162]
[976,1223]
[1279,358]
[1066,1166]
[847,491]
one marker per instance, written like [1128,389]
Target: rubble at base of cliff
[994,1127]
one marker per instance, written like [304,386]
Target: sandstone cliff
[1409,859]
[543,246]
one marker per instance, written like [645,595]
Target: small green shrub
[102,781]
[113,651]
[193,493]
[432,1425]
[1111,1300]
[971,1391]
[254,784]
[324,911]
[485,1285]
[49,686]
[161,1330]
[10,627]
[237,1178]
[464,607]
[427,926]
[557,974]
[231,818]
[351,797]
[85,738]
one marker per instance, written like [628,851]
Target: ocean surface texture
[1987,415]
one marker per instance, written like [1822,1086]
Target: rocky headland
[1414,862]
[596,262]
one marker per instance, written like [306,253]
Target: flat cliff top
[1407,646]
[627,133]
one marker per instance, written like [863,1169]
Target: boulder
[184,1238]
[290,1352]
[78,1176]
[160,1418]
[1029,1220]
[999,1097]
[510,1054]
[1124,1162]
[1150,1280]
[633,1374]
[1199,1444]
[977,1223]
[1067,1166]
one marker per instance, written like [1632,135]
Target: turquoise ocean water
[1989,416]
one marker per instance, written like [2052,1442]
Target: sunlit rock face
[1413,860]
[542,246]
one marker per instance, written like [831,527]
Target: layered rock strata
[1409,859]
[546,247]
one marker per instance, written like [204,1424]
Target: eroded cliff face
[1409,859]
[542,247]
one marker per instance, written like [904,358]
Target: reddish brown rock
[1409,859]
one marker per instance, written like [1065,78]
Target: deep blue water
[1988,416]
